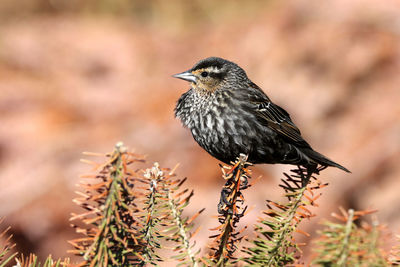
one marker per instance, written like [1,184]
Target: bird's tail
[321,159]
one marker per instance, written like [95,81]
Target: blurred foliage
[394,256]
[179,13]
[346,243]
[5,246]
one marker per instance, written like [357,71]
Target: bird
[229,115]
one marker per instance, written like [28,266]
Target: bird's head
[210,74]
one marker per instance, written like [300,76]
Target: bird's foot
[223,201]
[244,183]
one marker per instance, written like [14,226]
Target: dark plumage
[228,114]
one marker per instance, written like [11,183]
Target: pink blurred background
[82,75]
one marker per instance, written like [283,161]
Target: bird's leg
[310,170]
[244,182]
[320,168]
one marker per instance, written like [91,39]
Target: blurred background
[81,75]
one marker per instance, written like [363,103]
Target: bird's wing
[279,120]
[276,118]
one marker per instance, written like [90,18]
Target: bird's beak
[186,75]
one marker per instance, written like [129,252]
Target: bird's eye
[204,74]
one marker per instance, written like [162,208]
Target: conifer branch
[275,243]
[344,245]
[230,211]
[182,229]
[6,246]
[165,219]
[347,244]
[32,261]
[150,233]
[111,227]
[130,215]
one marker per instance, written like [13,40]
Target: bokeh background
[81,75]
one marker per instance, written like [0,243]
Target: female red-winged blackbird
[228,114]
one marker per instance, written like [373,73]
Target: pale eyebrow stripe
[215,69]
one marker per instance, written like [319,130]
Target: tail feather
[322,160]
